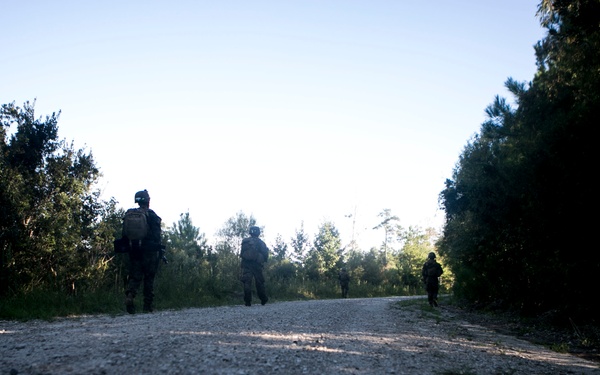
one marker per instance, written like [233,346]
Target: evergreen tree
[49,213]
[300,244]
[388,225]
[323,257]
[519,197]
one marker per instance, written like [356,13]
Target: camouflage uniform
[431,272]
[253,269]
[344,279]
[143,264]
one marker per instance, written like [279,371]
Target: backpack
[250,250]
[344,277]
[135,224]
[433,270]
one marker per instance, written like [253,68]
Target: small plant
[562,347]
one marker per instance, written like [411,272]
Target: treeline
[56,240]
[519,207]
[305,266]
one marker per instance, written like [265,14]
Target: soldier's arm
[155,229]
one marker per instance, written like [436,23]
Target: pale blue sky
[287,110]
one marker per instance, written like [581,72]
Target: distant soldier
[344,279]
[254,254]
[431,273]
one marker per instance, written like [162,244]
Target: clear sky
[292,111]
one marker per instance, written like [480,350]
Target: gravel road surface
[344,336]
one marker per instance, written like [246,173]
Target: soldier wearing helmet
[143,254]
[431,273]
[254,254]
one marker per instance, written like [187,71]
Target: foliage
[54,229]
[322,259]
[199,274]
[300,245]
[417,244]
[387,224]
[516,225]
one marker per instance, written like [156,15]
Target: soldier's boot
[129,306]
[264,301]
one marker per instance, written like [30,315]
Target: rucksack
[344,277]
[250,249]
[433,270]
[135,224]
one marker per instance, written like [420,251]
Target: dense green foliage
[53,227]
[518,224]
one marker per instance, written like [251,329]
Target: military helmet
[431,255]
[254,231]
[142,196]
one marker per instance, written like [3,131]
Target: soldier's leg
[149,267]
[260,286]
[247,282]
[434,292]
[429,294]
[134,281]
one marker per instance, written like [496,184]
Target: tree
[324,255]
[185,238]
[279,265]
[373,267]
[49,211]
[234,231]
[417,244]
[280,250]
[520,193]
[299,245]
[387,224]
[225,262]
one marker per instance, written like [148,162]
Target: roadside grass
[425,311]
[47,303]
[558,335]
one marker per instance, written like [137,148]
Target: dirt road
[347,336]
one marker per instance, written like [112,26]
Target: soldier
[141,229]
[431,272]
[254,254]
[344,279]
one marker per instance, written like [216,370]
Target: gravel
[347,336]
